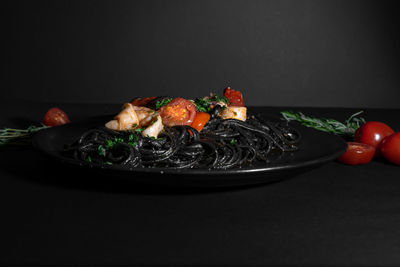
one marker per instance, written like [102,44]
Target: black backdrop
[280,53]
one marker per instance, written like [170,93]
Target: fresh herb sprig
[345,129]
[11,136]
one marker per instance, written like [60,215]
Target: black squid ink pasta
[221,143]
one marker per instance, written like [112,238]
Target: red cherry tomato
[142,101]
[178,112]
[390,148]
[200,120]
[357,153]
[55,117]
[372,133]
[234,97]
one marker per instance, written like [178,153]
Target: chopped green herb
[134,125]
[139,130]
[101,150]
[108,163]
[202,105]
[132,143]
[233,141]
[216,98]
[109,143]
[118,140]
[89,159]
[163,102]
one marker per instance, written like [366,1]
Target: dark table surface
[332,215]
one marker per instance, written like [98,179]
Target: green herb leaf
[163,102]
[132,143]
[101,150]
[109,143]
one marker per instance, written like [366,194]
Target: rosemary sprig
[345,129]
[11,136]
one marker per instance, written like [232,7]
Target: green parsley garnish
[89,159]
[109,143]
[101,150]
[203,104]
[232,142]
[163,102]
[220,99]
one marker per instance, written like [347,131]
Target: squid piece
[154,128]
[127,119]
[233,112]
[145,115]
[132,117]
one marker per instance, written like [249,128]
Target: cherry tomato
[372,133]
[234,97]
[357,153]
[55,117]
[200,120]
[390,148]
[178,112]
[142,101]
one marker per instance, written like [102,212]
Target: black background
[279,53]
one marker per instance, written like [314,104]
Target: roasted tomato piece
[142,101]
[200,120]
[357,153]
[55,117]
[178,112]
[234,97]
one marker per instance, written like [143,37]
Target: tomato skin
[200,120]
[390,148]
[142,101]
[357,153]
[178,112]
[234,97]
[372,133]
[55,117]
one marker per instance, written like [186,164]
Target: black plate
[315,149]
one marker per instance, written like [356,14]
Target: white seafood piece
[145,115]
[233,112]
[154,128]
[127,119]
